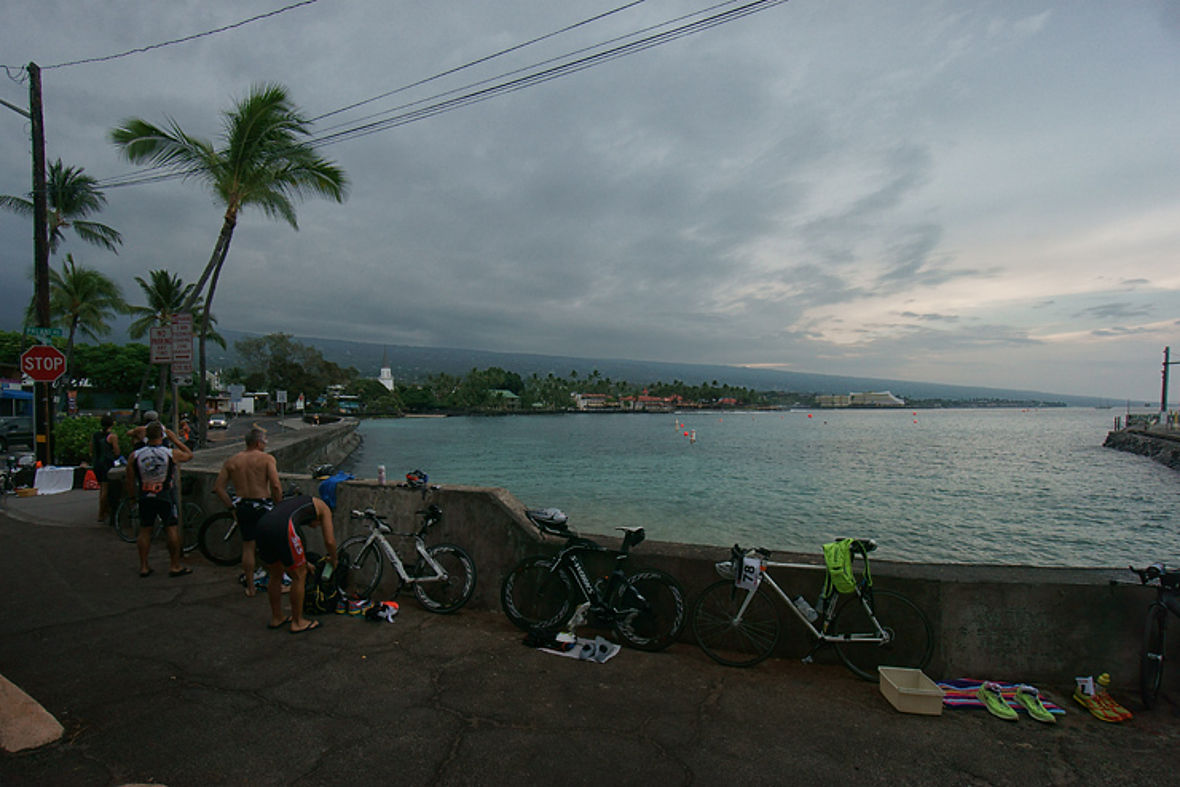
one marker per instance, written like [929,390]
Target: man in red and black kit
[280,546]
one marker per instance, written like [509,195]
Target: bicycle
[1155,630]
[736,622]
[219,538]
[127,522]
[443,579]
[646,608]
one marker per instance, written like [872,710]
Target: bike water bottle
[807,610]
[381,474]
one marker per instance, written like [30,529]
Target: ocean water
[1028,487]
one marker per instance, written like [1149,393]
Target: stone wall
[1002,622]
[1163,447]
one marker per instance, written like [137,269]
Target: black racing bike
[1155,630]
[645,607]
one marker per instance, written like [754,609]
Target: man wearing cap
[153,468]
[255,478]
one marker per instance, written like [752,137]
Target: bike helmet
[416,479]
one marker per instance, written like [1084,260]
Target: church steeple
[386,377]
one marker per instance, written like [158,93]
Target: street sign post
[44,363]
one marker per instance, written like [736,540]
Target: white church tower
[386,377]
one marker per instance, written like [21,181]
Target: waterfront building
[857,399]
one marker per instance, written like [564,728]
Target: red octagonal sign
[43,362]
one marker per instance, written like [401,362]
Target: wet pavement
[178,681]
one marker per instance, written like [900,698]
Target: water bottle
[381,474]
[807,610]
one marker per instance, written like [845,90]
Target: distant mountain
[410,364]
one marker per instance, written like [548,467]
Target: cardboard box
[27,492]
[910,690]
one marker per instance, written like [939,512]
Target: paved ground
[177,681]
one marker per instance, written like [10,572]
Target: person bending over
[281,547]
[255,478]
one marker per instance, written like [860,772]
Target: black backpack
[320,594]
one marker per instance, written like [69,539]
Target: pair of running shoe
[991,694]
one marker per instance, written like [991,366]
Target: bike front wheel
[127,520]
[220,540]
[1151,660]
[909,641]
[449,594]
[651,610]
[190,530]
[728,639]
[361,566]
[536,595]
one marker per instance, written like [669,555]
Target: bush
[71,439]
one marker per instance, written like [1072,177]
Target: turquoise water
[1031,487]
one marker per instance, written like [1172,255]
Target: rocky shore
[1159,444]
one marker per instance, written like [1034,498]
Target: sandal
[1030,699]
[989,694]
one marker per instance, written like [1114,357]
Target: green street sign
[44,333]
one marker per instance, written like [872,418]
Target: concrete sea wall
[1159,444]
[1002,622]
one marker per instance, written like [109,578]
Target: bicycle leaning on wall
[736,621]
[1155,630]
[645,607]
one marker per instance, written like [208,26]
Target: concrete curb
[24,724]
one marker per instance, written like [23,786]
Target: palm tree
[83,299]
[72,196]
[165,293]
[265,160]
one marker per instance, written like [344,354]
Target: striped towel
[961,693]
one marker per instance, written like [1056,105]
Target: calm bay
[1010,486]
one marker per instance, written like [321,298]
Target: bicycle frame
[596,593]
[826,614]
[377,532]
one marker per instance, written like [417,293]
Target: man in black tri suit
[280,546]
[153,468]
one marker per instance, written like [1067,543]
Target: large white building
[866,399]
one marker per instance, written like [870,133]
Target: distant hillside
[410,364]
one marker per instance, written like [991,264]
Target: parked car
[218,421]
[15,430]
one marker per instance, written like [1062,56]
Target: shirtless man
[255,477]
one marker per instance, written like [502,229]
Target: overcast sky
[982,193]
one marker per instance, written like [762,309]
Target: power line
[193,37]
[476,93]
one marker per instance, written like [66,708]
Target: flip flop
[1030,699]
[989,694]
[273,626]
[315,624]
[146,574]
[180,572]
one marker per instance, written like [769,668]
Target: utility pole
[1164,390]
[43,396]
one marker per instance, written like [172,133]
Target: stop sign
[43,362]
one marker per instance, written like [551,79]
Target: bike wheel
[127,519]
[910,642]
[724,638]
[361,567]
[220,540]
[652,610]
[445,595]
[190,526]
[1151,659]
[534,595]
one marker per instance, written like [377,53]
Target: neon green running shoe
[989,694]
[1030,699]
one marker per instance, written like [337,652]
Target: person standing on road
[153,467]
[255,478]
[105,449]
[281,547]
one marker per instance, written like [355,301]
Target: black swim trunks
[249,511]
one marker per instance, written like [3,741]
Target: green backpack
[838,558]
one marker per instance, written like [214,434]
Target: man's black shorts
[152,507]
[249,511]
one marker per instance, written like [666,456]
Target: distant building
[594,401]
[505,398]
[386,376]
[866,399]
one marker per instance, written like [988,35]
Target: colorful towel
[963,693]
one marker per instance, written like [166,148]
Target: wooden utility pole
[43,397]
[1164,390]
